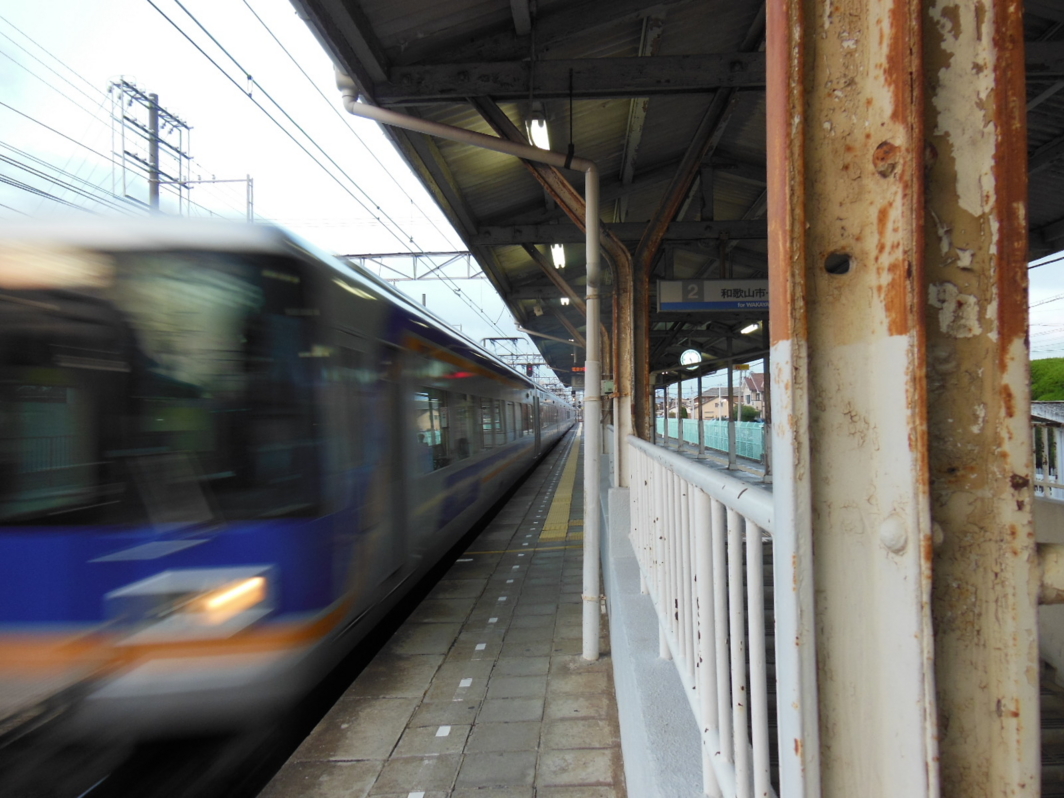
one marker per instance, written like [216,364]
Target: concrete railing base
[659,737]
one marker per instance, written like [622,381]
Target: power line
[287,132]
[37,191]
[50,85]
[49,127]
[61,183]
[16,210]
[51,54]
[342,117]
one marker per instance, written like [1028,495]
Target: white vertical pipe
[706,635]
[755,602]
[683,574]
[592,366]
[592,401]
[737,633]
[720,619]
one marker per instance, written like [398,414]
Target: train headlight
[220,605]
[193,602]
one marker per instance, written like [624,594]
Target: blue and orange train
[223,456]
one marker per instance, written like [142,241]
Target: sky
[58,58]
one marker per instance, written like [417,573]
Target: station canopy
[667,97]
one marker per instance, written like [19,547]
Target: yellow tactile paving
[556,527]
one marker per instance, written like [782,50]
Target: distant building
[750,391]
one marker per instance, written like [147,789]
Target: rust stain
[784,57]
[1010,175]
[898,74]
[797,747]
[1019,482]
[1007,397]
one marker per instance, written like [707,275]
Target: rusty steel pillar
[853,529]
[985,583]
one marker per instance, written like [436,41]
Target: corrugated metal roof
[480,190]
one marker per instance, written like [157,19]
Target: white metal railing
[690,525]
[1048,460]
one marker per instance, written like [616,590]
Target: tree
[683,412]
[1047,380]
[746,413]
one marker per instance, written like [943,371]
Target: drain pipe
[593,364]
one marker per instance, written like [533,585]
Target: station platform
[483,691]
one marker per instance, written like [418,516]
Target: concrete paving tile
[458,688]
[517,686]
[560,706]
[423,638]
[498,769]
[579,683]
[521,666]
[541,581]
[358,728]
[410,774]
[578,767]
[529,635]
[442,713]
[517,736]
[323,780]
[529,608]
[442,611]
[571,646]
[433,740]
[569,631]
[494,792]
[575,663]
[396,676]
[448,588]
[532,622]
[585,733]
[508,710]
[540,648]
[468,651]
[577,792]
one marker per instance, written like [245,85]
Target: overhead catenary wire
[406,243]
[342,117]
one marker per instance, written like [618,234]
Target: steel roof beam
[628,231]
[593,78]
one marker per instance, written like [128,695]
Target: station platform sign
[712,295]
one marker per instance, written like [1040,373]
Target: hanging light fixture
[537,126]
[557,253]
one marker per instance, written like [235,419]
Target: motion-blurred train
[223,455]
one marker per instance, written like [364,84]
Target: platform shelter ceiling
[640,88]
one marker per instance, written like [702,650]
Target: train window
[511,422]
[351,373]
[191,391]
[433,430]
[497,422]
[487,423]
[464,429]
[526,419]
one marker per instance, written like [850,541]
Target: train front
[161,540]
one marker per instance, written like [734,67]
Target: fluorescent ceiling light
[537,132]
[557,252]
[565,300]
[749,328]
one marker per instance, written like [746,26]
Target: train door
[369,544]
[535,421]
[392,416]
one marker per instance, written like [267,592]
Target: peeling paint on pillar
[986,584]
